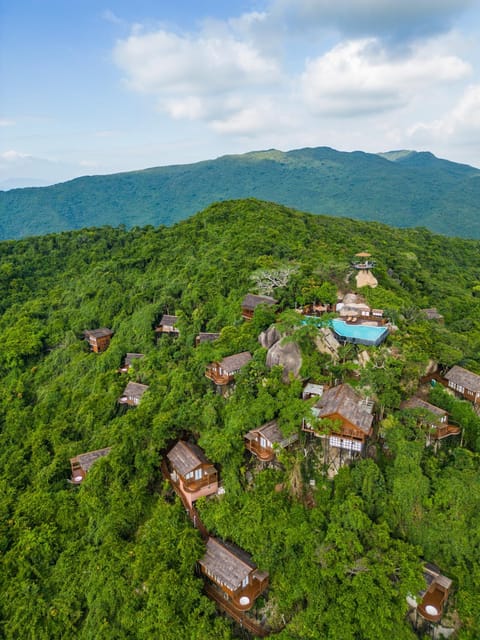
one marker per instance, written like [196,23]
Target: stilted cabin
[191,472]
[133,393]
[81,464]
[129,358]
[98,339]
[223,372]
[205,337]
[434,418]
[233,573]
[252,301]
[167,324]
[434,597]
[464,383]
[263,440]
[353,414]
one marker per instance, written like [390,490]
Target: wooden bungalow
[263,441]
[81,464]
[361,261]
[98,339]
[432,314]
[167,324]
[205,337]
[133,393]
[191,472]
[232,571]
[223,372]
[464,383]
[311,390]
[129,359]
[434,418]
[352,417]
[252,301]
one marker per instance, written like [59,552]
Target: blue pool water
[356,333]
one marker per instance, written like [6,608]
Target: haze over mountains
[399,188]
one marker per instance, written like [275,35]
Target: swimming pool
[359,333]
[354,333]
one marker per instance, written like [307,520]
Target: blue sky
[91,87]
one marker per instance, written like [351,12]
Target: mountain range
[399,188]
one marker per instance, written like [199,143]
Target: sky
[92,87]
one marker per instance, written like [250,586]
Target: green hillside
[116,556]
[404,189]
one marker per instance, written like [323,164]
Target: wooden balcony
[445,431]
[243,599]
[431,607]
[265,454]
[218,376]
[192,486]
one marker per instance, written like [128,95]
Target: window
[198,474]
[263,442]
[245,581]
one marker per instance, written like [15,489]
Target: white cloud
[11,155]
[6,122]
[359,76]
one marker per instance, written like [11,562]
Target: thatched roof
[98,333]
[224,565]
[168,321]
[231,364]
[135,390]
[186,457]
[418,403]
[251,301]
[86,460]
[343,400]
[463,377]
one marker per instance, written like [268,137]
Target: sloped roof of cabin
[463,377]
[432,314]
[98,333]
[251,301]
[204,336]
[343,400]
[271,432]
[168,321]
[87,459]
[230,364]
[225,565]
[186,457]
[135,389]
[130,357]
[418,403]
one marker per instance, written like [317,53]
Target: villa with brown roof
[81,464]
[98,339]
[252,301]
[432,417]
[232,572]
[191,472]
[132,394]
[464,382]
[223,372]
[433,599]
[204,336]
[352,418]
[167,324]
[263,441]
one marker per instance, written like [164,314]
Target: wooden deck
[242,618]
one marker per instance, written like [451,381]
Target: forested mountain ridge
[115,557]
[404,189]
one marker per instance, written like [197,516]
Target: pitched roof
[432,314]
[186,457]
[463,377]
[418,403]
[135,389]
[271,432]
[130,357]
[251,301]
[87,459]
[343,400]
[98,333]
[204,336]
[225,565]
[168,321]
[230,364]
